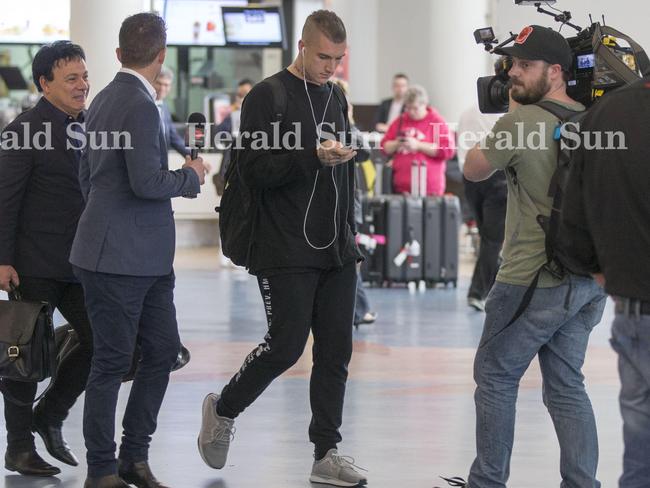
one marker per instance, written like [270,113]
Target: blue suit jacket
[127,226]
[172,139]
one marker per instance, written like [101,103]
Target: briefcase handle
[14,292]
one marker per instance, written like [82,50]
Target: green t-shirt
[522,144]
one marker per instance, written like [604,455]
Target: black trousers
[488,200]
[68,298]
[295,303]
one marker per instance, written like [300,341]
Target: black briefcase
[27,349]
[67,341]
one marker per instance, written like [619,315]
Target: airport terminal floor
[409,411]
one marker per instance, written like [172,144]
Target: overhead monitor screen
[196,22]
[253,26]
[35,22]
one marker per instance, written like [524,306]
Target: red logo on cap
[523,35]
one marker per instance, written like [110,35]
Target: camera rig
[603,59]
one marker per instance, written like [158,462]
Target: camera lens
[499,92]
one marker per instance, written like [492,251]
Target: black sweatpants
[72,374]
[295,303]
[488,200]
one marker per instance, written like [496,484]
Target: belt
[632,306]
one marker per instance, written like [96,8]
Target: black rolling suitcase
[413,225]
[413,235]
[442,218]
[432,249]
[372,239]
[451,221]
[405,238]
[394,208]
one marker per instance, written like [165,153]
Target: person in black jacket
[303,252]
[390,108]
[40,205]
[606,213]
[488,201]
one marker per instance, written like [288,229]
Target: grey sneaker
[476,303]
[337,470]
[215,434]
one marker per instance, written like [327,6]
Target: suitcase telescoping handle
[418,178]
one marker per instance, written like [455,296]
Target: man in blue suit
[163,85]
[123,253]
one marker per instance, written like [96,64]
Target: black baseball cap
[536,42]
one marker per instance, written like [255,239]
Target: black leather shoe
[110,481]
[138,474]
[54,442]
[29,463]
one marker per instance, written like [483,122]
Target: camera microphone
[195,133]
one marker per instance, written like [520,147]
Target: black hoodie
[285,181]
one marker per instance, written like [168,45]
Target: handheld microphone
[195,133]
[195,136]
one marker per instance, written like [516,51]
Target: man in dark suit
[40,205]
[123,254]
[163,85]
[390,108]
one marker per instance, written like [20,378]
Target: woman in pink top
[419,134]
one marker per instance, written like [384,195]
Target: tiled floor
[409,412]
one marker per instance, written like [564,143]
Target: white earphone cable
[319,131]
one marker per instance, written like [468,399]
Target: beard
[533,94]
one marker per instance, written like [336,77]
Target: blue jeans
[362,306]
[555,326]
[631,340]
[123,311]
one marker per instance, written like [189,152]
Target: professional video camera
[603,60]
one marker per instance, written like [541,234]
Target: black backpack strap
[559,111]
[550,226]
[343,103]
[280,99]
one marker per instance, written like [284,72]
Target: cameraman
[562,312]
[606,211]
